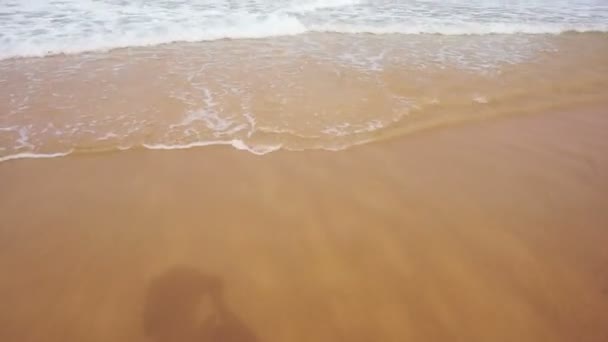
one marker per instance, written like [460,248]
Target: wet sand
[487,231]
[290,93]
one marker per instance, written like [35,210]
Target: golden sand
[490,231]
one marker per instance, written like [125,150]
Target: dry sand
[488,231]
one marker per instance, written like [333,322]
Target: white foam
[108,136]
[24,139]
[480,99]
[315,5]
[458,29]
[44,27]
[346,129]
[236,143]
[31,155]
[209,118]
[208,115]
[236,27]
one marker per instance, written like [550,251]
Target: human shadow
[185,305]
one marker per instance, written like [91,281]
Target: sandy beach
[485,231]
[303,171]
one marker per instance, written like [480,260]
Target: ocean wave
[44,27]
[248,27]
[275,26]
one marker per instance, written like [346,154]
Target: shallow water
[320,75]
[314,91]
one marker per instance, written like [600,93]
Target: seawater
[85,76]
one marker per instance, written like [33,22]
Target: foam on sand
[30,155]
[238,144]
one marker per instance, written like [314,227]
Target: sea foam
[45,27]
[30,155]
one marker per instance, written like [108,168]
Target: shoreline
[299,94]
[492,230]
[390,135]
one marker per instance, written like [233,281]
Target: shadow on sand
[185,305]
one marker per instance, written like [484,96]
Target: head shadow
[185,305]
